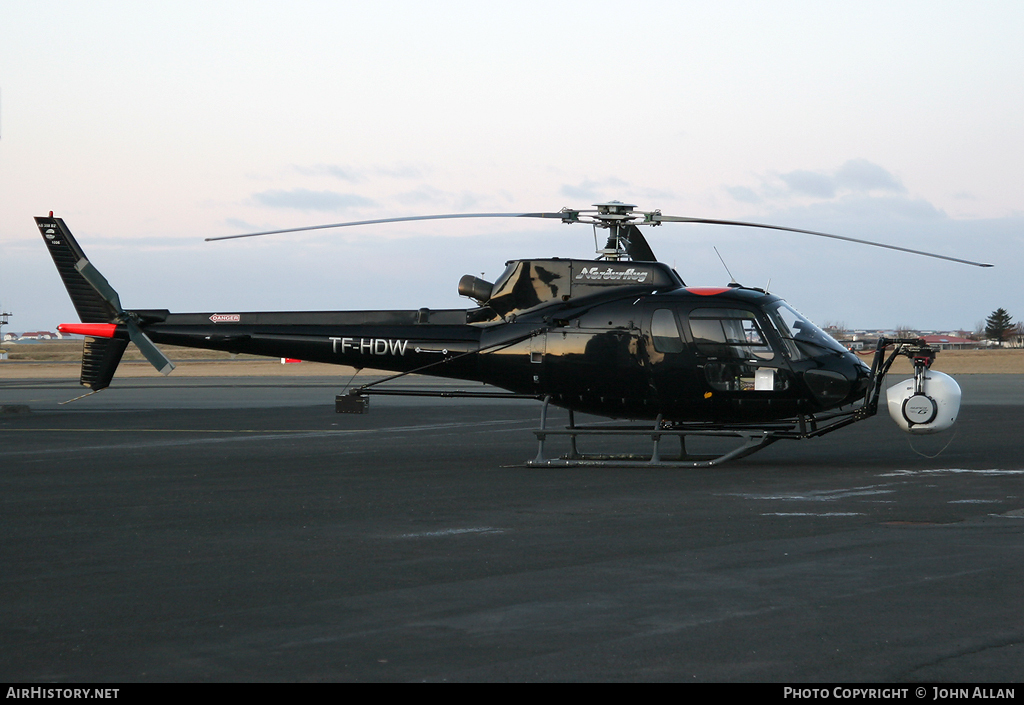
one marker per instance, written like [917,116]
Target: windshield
[797,332]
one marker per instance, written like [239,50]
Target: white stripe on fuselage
[369,346]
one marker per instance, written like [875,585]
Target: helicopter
[621,336]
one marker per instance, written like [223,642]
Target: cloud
[242,225]
[358,175]
[864,210]
[810,183]
[743,194]
[856,177]
[338,172]
[400,172]
[590,190]
[423,195]
[434,200]
[965,196]
[861,176]
[307,200]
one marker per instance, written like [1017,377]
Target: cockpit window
[802,338]
[665,331]
[729,333]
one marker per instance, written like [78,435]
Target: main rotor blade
[98,282]
[450,216]
[150,351]
[658,218]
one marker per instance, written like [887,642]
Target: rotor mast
[615,216]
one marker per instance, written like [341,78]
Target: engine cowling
[931,409]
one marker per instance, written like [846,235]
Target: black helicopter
[621,336]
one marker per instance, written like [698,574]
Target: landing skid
[751,437]
[750,441]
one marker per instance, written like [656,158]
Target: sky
[151,126]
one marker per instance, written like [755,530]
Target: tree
[998,326]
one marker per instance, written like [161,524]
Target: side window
[729,333]
[665,331]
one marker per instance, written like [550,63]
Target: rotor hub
[615,211]
[615,216]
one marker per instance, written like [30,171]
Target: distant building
[867,339]
[950,342]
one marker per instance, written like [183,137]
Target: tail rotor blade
[99,282]
[150,351]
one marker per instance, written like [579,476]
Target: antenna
[732,279]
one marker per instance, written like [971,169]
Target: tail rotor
[150,351]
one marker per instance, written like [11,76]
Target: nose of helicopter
[861,375]
[839,379]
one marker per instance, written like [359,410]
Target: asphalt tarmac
[196,530]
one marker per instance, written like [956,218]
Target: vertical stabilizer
[96,303]
[100,357]
[91,307]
